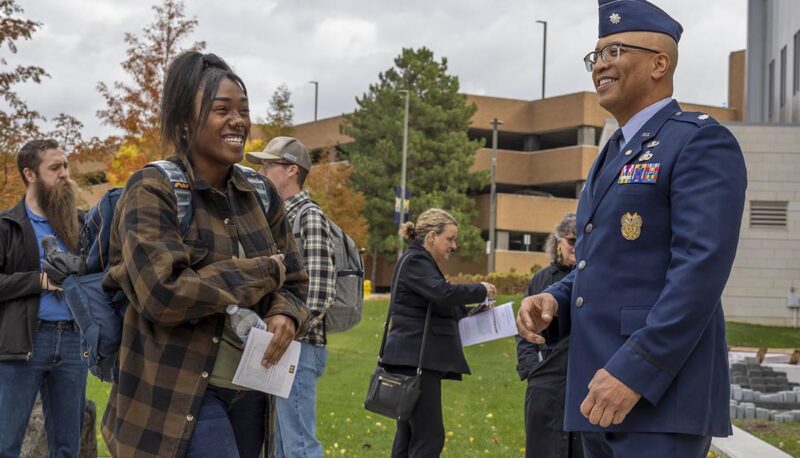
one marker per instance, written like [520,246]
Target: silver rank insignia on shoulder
[646,156]
[703,117]
[652,144]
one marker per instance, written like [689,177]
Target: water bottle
[243,320]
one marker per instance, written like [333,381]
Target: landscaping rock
[35,443]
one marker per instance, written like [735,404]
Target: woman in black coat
[545,366]
[420,284]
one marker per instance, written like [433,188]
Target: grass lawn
[754,335]
[482,414]
[785,436]
[98,392]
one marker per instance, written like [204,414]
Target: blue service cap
[636,15]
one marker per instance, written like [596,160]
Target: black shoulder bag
[395,395]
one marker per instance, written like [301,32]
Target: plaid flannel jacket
[178,289]
[318,259]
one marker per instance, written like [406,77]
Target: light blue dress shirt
[639,119]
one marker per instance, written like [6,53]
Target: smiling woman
[179,353]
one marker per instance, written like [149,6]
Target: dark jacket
[20,288]
[547,380]
[528,353]
[419,283]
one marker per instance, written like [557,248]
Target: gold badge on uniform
[631,226]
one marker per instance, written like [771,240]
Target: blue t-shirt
[50,307]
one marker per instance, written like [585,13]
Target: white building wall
[768,259]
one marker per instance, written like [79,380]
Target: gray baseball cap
[288,149]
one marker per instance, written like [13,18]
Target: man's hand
[608,401]
[535,315]
[284,330]
[44,282]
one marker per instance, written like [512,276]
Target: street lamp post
[493,198]
[403,169]
[316,97]
[544,54]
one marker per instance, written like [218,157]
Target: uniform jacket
[178,290]
[653,259]
[20,288]
[420,283]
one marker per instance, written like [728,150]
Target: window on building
[536,241]
[768,214]
[771,90]
[796,64]
[783,76]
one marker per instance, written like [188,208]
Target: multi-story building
[773,61]
[765,81]
[545,150]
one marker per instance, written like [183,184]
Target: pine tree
[439,151]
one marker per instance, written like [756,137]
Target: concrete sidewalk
[744,445]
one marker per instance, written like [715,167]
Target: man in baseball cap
[287,149]
[286,163]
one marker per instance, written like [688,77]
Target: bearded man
[39,340]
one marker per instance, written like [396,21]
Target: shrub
[505,282]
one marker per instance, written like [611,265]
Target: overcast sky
[495,48]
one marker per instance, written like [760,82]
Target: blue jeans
[230,424]
[58,372]
[296,429]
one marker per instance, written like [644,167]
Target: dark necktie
[613,150]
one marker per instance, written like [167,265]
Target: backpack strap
[183,190]
[296,229]
[180,186]
[258,182]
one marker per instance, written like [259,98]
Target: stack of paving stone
[756,377]
[759,392]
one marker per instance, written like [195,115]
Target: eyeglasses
[570,240]
[610,54]
[270,164]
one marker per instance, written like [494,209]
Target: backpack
[345,312]
[99,312]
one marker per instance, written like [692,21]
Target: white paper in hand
[277,379]
[495,323]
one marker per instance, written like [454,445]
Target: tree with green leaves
[439,151]
[280,115]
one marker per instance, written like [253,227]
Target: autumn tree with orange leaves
[18,123]
[329,186]
[134,108]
